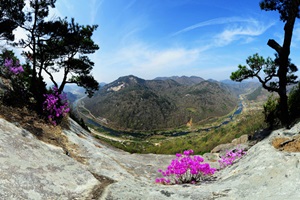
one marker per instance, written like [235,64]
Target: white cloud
[159,61]
[244,31]
[148,61]
[236,28]
[216,21]
[145,61]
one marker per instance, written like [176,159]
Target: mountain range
[132,103]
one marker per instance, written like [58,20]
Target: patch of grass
[206,141]
[192,110]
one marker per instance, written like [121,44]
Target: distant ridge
[184,80]
[132,103]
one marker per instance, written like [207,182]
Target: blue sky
[151,38]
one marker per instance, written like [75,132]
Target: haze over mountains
[132,103]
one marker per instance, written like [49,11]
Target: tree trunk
[284,62]
[284,53]
[284,114]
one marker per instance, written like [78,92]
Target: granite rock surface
[32,169]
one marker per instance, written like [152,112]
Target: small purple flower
[178,155]
[230,157]
[8,62]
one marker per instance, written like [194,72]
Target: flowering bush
[185,169]
[56,106]
[13,67]
[16,91]
[230,157]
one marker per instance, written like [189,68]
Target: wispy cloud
[129,5]
[245,31]
[216,21]
[94,7]
[159,61]
[135,56]
[148,62]
[234,28]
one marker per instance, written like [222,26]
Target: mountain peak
[131,103]
[123,82]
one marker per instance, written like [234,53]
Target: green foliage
[284,7]
[67,52]
[257,64]
[205,141]
[271,111]
[192,110]
[158,104]
[56,45]
[11,16]
[281,68]
[79,121]
[202,142]
[17,94]
[294,102]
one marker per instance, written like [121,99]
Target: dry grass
[287,144]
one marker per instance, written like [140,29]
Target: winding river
[173,134]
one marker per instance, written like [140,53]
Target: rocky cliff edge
[32,169]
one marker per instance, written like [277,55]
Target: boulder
[222,148]
[241,140]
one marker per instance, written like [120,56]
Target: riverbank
[202,137]
[95,122]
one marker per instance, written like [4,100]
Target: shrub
[271,111]
[13,66]
[56,106]
[16,93]
[79,121]
[185,169]
[294,102]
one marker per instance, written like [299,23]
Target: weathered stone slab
[31,169]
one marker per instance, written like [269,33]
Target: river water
[173,134]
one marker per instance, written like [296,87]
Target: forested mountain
[240,87]
[184,80]
[131,103]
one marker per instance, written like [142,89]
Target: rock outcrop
[241,142]
[32,169]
